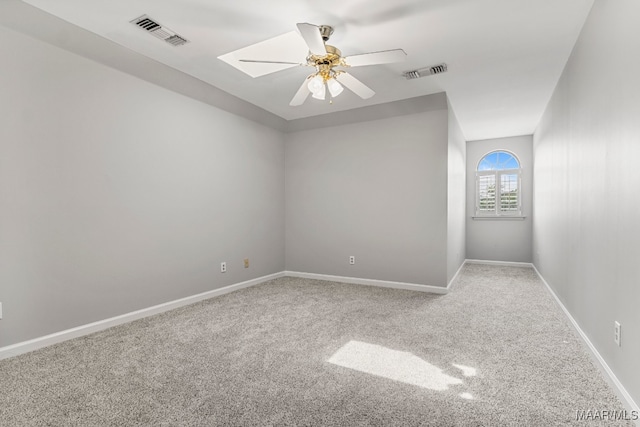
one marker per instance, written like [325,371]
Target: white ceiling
[504,56]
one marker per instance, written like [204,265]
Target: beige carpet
[494,351]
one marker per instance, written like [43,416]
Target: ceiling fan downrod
[325,32]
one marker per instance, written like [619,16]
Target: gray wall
[587,202]
[456,194]
[116,194]
[376,190]
[500,239]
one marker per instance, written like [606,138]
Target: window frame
[497,212]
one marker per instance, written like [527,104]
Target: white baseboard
[500,263]
[34,344]
[455,276]
[606,370]
[370,282]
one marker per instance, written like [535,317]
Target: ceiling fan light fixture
[335,88]
[320,93]
[316,84]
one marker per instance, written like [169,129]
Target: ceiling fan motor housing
[325,63]
[332,58]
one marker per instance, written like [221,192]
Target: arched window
[498,185]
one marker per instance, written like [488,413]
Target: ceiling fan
[328,62]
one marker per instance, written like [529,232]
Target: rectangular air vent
[157,30]
[423,72]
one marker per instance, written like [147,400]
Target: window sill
[499,218]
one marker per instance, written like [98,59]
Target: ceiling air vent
[157,30]
[423,72]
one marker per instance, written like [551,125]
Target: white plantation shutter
[486,193]
[498,185]
[509,189]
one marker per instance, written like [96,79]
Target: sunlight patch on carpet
[392,364]
[467,371]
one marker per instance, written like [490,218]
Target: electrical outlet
[223,267]
[352,260]
[617,331]
[246,263]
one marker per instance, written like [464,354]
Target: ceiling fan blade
[355,85]
[311,35]
[269,62]
[302,93]
[374,58]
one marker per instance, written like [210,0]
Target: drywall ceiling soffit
[35,23]
[419,104]
[504,56]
